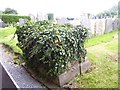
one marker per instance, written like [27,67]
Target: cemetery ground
[102,52]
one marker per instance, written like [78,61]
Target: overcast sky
[72,8]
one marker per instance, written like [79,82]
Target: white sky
[71,8]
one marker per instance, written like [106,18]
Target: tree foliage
[10,11]
[111,12]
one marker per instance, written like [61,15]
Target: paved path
[6,82]
[0,77]
[19,76]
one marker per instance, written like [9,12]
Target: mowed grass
[100,39]
[104,57]
[6,37]
[102,52]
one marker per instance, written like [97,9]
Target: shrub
[51,45]
[11,18]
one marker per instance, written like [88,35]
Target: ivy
[51,45]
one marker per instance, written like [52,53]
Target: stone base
[63,78]
[71,73]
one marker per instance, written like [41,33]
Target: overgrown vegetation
[52,45]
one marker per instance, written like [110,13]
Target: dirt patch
[17,58]
[101,49]
[114,56]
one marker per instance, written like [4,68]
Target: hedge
[11,18]
[51,45]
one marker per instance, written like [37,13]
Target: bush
[11,18]
[51,45]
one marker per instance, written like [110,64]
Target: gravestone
[62,20]
[85,21]
[115,24]
[39,16]
[74,22]
[32,17]
[93,23]
[25,20]
[100,27]
[22,21]
[45,17]
[109,25]
[2,24]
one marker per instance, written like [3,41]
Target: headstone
[93,23]
[100,26]
[25,20]
[115,24]
[45,17]
[2,24]
[74,22]
[32,17]
[22,21]
[39,16]
[109,25]
[86,23]
[62,20]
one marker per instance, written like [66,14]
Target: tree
[10,11]
[119,15]
[114,10]
[110,12]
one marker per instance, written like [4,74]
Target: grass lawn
[102,52]
[6,37]
[101,39]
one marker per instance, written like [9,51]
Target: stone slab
[62,79]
